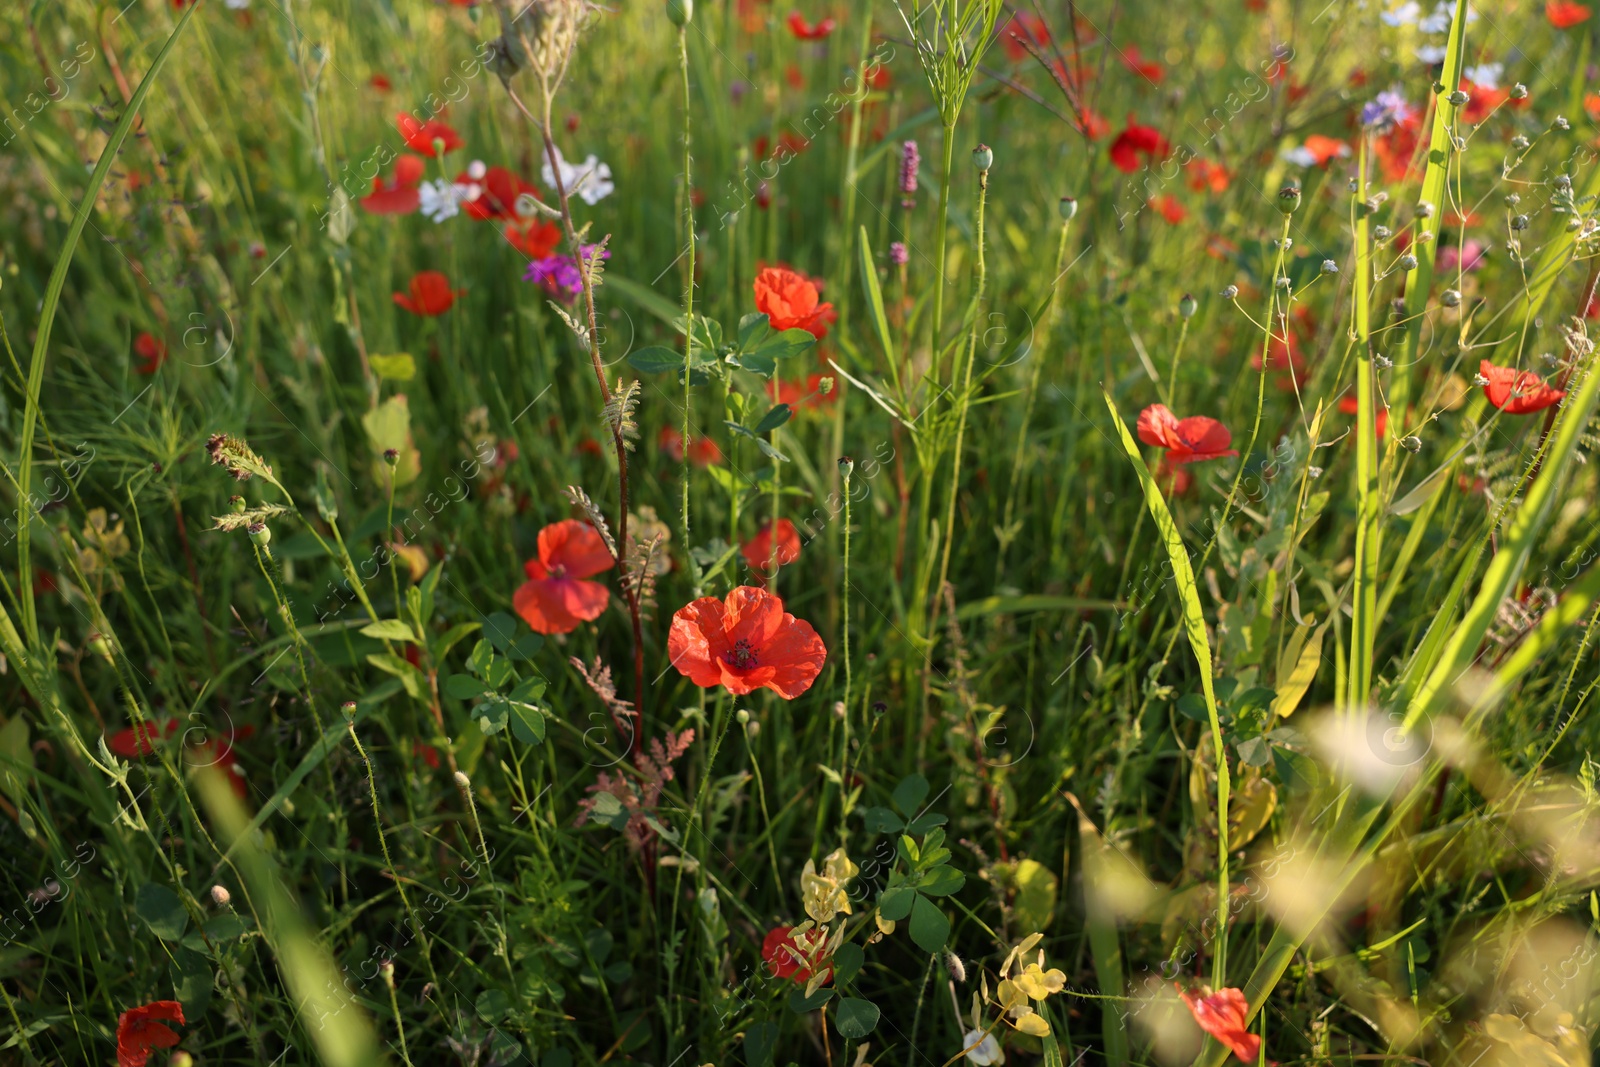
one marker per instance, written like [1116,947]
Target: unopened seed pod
[1067,208]
[983,158]
[680,12]
[1288,199]
[1187,306]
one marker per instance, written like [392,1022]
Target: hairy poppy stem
[630,590]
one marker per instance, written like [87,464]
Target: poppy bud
[236,504]
[1288,199]
[1381,233]
[680,12]
[220,896]
[1450,298]
[957,969]
[386,968]
[181,1058]
[1230,292]
[847,466]
[879,707]
[259,534]
[983,158]
[1187,305]
[1330,267]
[100,646]
[743,715]
[1067,208]
[391,456]
[1519,92]
[349,708]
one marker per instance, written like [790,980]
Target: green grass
[1312,721]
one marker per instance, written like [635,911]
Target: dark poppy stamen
[742,656]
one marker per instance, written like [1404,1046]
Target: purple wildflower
[559,274]
[910,162]
[898,254]
[1384,113]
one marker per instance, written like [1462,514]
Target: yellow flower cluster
[824,893]
[1032,984]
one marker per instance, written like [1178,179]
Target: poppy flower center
[742,655]
[558,570]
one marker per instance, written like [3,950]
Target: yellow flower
[824,894]
[1034,1024]
[1039,983]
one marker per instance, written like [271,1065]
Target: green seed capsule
[680,12]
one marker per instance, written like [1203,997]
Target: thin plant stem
[688,274]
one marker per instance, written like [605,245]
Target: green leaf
[607,809]
[413,680]
[755,363]
[779,415]
[161,911]
[452,637]
[492,1005]
[753,329]
[655,360]
[847,960]
[389,630]
[192,980]
[492,715]
[869,285]
[910,793]
[925,822]
[399,367]
[499,629]
[528,690]
[882,821]
[1257,751]
[799,1003]
[760,1044]
[895,904]
[941,881]
[464,687]
[527,723]
[855,1018]
[389,426]
[930,927]
[784,345]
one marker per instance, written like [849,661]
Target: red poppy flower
[144,1028]
[380,82]
[1225,1016]
[1092,125]
[419,136]
[767,553]
[555,599]
[1205,175]
[1517,392]
[1021,31]
[1324,150]
[134,741]
[426,753]
[1397,149]
[784,958]
[745,643]
[219,754]
[430,294]
[806,31]
[1169,207]
[534,238]
[398,195]
[878,77]
[1564,14]
[1350,405]
[703,451]
[1186,440]
[790,301]
[499,197]
[1148,69]
[152,352]
[1136,141]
